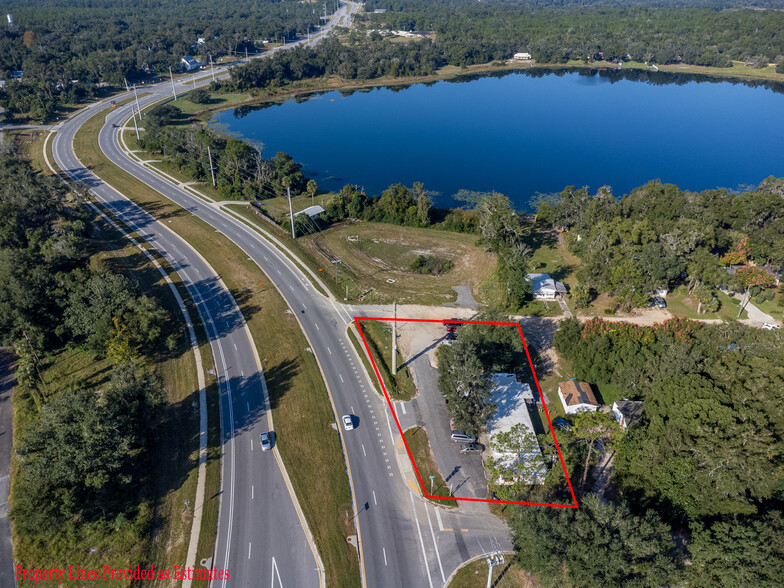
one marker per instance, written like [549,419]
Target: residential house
[523,56]
[511,397]
[577,396]
[627,412]
[544,287]
[189,63]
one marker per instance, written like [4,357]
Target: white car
[266,441]
[348,422]
[771,326]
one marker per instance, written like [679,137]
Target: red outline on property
[357,320]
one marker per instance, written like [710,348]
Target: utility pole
[212,68]
[212,169]
[171,75]
[134,123]
[494,559]
[291,212]
[394,338]
[246,53]
[126,86]
[139,108]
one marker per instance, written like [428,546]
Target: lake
[523,134]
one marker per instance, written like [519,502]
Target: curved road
[404,541]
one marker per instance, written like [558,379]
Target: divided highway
[404,541]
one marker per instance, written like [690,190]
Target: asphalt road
[256,508]
[403,540]
[7,576]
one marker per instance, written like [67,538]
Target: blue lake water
[521,134]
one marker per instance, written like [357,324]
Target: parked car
[348,422]
[266,441]
[462,437]
[467,447]
[562,424]
[771,326]
[659,301]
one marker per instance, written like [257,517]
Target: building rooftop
[311,211]
[630,409]
[575,392]
[509,396]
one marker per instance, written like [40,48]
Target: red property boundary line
[357,320]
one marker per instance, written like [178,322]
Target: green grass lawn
[301,408]
[679,303]
[774,308]
[379,336]
[217,100]
[419,445]
[507,575]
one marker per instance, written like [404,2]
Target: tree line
[658,235]
[81,452]
[702,466]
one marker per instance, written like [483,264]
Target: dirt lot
[376,261]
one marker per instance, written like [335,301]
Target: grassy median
[419,445]
[303,415]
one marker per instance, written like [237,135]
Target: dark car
[659,302]
[562,424]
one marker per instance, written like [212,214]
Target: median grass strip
[303,415]
[379,340]
[509,574]
[419,445]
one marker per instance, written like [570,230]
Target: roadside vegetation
[105,385]
[301,410]
[378,337]
[419,445]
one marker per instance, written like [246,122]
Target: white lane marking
[438,518]
[374,498]
[251,443]
[305,307]
[403,406]
[341,378]
[363,451]
[329,351]
[421,541]
[242,373]
[317,327]
[249,544]
[433,535]
[389,424]
[235,347]
[384,549]
[252,491]
[275,572]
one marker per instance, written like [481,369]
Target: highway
[404,541]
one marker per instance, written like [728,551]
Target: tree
[513,265]
[312,188]
[599,544]
[590,427]
[199,96]
[581,294]
[498,222]
[465,385]
[524,467]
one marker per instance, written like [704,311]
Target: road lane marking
[275,572]
[251,443]
[374,498]
[363,450]
[249,544]
[341,378]
[329,351]
[421,541]
[435,543]
[252,491]
[317,327]
[235,347]
[389,425]
[438,518]
[242,373]
[384,549]
[403,407]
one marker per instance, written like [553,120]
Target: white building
[511,397]
[189,63]
[311,211]
[577,397]
[523,56]
[545,288]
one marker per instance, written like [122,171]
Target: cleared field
[376,259]
[217,100]
[679,303]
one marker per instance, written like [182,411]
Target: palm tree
[312,188]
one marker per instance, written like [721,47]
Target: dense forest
[697,491]
[65,48]
[81,453]
[658,234]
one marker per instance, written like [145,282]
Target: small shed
[523,56]
[311,211]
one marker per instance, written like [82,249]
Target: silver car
[266,441]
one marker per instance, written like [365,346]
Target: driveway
[7,577]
